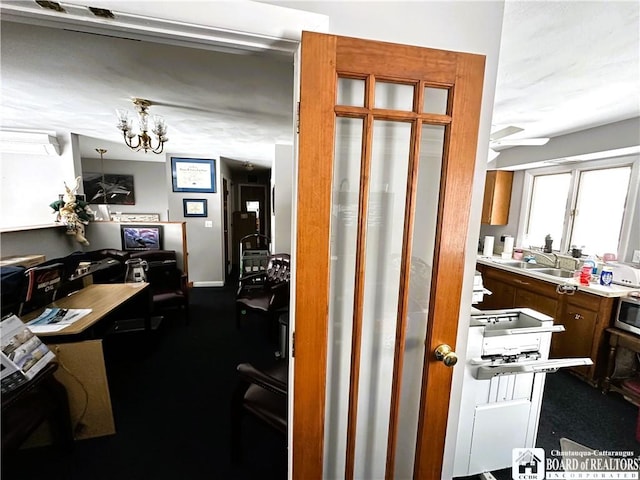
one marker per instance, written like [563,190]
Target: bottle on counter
[585,274]
[606,276]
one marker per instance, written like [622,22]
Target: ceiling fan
[498,140]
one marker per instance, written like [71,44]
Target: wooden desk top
[100,298]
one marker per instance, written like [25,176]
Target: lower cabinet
[584,316]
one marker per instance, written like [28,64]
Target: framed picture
[194,207]
[135,217]
[110,188]
[193,175]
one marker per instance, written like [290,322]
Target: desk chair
[169,285]
[263,394]
[40,286]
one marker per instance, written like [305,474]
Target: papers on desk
[22,354]
[55,319]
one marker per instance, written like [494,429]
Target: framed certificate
[194,207]
[193,175]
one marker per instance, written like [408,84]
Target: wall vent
[51,6]
[102,12]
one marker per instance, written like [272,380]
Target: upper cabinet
[497,197]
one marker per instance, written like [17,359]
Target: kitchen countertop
[594,288]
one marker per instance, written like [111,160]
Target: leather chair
[265,292]
[263,394]
[169,285]
[41,284]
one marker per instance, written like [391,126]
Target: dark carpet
[171,397]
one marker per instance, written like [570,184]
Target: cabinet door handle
[576,316]
[566,289]
[520,282]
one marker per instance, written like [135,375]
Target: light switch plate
[636,256]
[208,224]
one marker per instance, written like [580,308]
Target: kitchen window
[588,205]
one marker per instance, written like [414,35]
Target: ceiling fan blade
[492,155]
[505,132]
[521,142]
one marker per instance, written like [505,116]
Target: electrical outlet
[636,256]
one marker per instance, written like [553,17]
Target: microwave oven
[628,315]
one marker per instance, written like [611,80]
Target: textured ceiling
[567,66]
[564,66]
[215,104]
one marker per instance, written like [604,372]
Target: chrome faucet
[553,257]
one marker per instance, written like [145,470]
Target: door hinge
[293,344]
[298,118]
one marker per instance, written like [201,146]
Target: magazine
[55,319]
[22,353]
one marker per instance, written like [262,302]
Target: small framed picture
[194,207]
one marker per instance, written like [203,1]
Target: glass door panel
[423,243]
[344,229]
[385,226]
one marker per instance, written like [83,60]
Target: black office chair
[41,285]
[169,285]
[263,394]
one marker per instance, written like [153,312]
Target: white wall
[31,182]
[282,188]
[204,243]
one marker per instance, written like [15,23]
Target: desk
[22,260]
[81,358]
[102,299]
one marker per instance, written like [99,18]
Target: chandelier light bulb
[145,141]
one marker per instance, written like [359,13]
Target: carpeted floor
[171,399]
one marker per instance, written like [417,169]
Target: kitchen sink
[519,264]
[555,272]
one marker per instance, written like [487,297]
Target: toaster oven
[628,315]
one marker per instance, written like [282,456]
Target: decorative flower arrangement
[75,214]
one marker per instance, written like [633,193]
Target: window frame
[575,168]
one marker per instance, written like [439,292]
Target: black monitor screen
[141,237]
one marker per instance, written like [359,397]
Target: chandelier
[144,141]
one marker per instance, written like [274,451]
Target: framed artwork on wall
[193,175]
[108,188]
[194,207]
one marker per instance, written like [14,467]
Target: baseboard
[214,283]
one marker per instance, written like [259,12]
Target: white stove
[507,361]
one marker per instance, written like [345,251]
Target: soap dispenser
[548,244]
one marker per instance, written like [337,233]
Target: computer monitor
[141,237]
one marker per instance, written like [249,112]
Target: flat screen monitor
[141,237]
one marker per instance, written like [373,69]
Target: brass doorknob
[445,355]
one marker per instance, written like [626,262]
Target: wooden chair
[265,292]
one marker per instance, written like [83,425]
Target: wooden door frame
[313,247]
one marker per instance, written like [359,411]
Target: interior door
[387,148]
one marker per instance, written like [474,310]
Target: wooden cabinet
[585,316]
[621,339]
[497,197]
